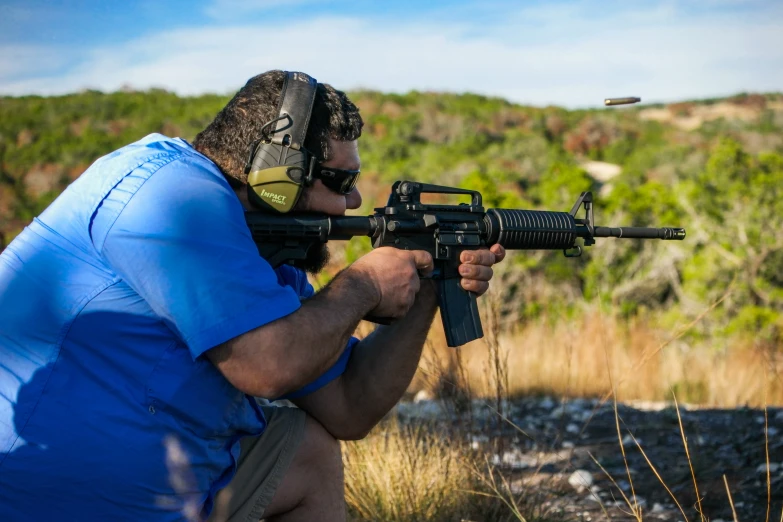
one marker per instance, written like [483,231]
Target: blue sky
[566,52]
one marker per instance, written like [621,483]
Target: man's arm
[382,365]
[282,356]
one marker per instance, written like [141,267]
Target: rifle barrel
[666,233]
[349,226]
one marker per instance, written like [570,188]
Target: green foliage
[766,324]
[715,180]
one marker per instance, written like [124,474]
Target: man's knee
[322,451]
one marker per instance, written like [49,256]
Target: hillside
[714,167]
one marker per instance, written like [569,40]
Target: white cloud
[654,54]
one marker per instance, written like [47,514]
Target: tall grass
[568,358]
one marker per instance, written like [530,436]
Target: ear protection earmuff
[278,166]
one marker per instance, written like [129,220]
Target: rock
[772,431]
[547,403]
[567,444]
[628,441]
[559,411]
[773,468]
[514,460]
[658,508]
[580,479]
[572,428]
[423,395]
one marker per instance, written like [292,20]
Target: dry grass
[567,358]
[410,475]
[413,474]
[401,474]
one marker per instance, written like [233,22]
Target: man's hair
[227,140]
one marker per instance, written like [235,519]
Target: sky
[572,53]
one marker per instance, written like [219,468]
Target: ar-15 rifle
[444,231]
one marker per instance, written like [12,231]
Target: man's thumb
[423,260]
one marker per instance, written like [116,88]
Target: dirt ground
[548,445]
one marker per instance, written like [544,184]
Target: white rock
[559,411]
[514,460]
[601,170]
[773,468]
[581,479]
[567,444]
[628,441]
[772,431]
[572,428]
[779,415]
[547,403]
[423,395]
[759,420]
[658,508]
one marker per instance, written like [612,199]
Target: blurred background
[504,97]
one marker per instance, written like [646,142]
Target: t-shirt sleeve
[181,242]
[329,375]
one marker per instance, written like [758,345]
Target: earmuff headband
[296,102]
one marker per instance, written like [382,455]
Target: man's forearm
[383,364]
[282,356]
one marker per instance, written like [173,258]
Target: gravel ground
[551,442]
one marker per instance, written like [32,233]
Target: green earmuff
[279,167]
[277,176]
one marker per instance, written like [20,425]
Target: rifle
[444,231]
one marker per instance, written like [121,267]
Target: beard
[315,261]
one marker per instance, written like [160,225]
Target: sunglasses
[337,180]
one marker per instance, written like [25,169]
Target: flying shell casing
[621,101]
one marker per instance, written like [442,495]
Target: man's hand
[476,267]
[395,275]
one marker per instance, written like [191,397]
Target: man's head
[335,125]
[227,140]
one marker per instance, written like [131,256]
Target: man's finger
[423,260]
[478,257]
[499,251]
[477,287]
[478,272]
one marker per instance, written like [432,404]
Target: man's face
[319,198]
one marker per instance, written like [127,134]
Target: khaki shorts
[263,462]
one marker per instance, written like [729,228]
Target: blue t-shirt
[108,410]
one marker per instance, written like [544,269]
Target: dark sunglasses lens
[340,181]
[349,183]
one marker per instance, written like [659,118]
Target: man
[138,322]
